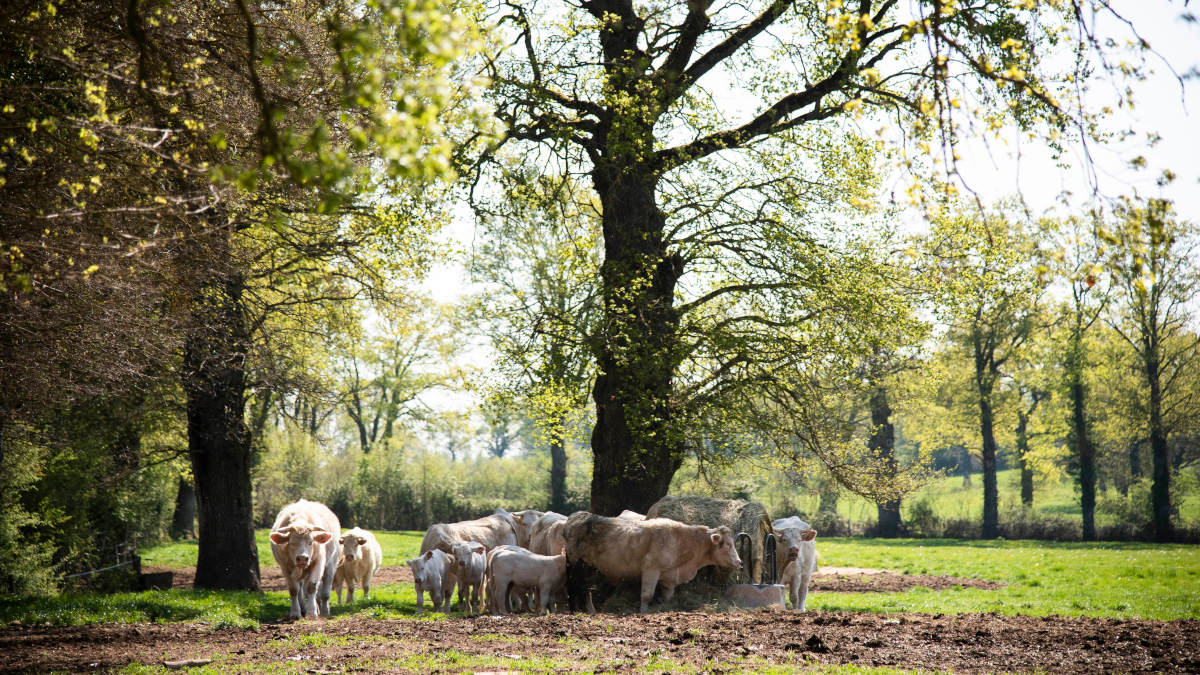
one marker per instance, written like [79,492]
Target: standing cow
[361,558]
[798,540]
[656,551]
[304,543]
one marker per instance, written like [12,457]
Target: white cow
[524,522]
[304,544]
[471,561]
[516,569]
[797,538]
[656,550]
[361,558]
[433,571]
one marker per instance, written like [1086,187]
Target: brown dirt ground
[965,643]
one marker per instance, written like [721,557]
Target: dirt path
[965,643]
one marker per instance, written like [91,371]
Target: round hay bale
[738,515]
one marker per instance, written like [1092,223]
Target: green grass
[1128,580]
[398,547]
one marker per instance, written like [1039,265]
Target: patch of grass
[457,661]
[220,609]
[398,547]
[1125,580]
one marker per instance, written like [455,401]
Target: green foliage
[25,556]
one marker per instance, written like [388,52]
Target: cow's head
[351,546]
[464,551]
[301,542]
[793,538]
[724,553]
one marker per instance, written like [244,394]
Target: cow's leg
[310,599]
[366,584]
[420,596]
[294,593]
[804,579]
[350,591]
[323,589]
[649,582]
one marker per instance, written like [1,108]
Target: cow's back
[614,546]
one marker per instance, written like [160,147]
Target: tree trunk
[1160,489]
[1087,457]
[965,467]
[985,381]
[558,469]
[636,450]
[883,443]
[214,380]
[184,520]
[1135,459]
[1022,454]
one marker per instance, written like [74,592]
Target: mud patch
[581,643]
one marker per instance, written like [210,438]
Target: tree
[1155,275]
[983,265]
[218,154]
[539,262]
[626,94]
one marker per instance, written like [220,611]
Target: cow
[304,545]
[631,515]
[433,571]
[798,540]
[361,558]
[547,538]
[470,557]
[511,568]
[656,551]
[524,522]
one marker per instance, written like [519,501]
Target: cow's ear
[322,537]
[429,555]
[280,538]
[481,549]
[809,535]
[361,541]
[716,538]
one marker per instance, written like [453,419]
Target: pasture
[939,605]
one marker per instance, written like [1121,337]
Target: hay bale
[738,515]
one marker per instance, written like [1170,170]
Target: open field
[942,605]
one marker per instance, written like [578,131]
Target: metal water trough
[745,592]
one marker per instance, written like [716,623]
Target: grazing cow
[656,551]
[433,571]
[798,540]
[471,561]
[524,522]
[547,536]
[515,569]
[361,558]
[304,544]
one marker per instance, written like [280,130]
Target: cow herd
[521,558]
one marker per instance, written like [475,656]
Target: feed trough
[745,592]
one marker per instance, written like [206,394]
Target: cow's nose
[302,560]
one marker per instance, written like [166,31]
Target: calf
[361,558]
[513,568]
[303,543]
[798,540]
[433,571]
[656,551]
[471,561]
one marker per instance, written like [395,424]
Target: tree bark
[183,522]
[636,450]
[214,380]
[1022,455]
[985,379]
[558,469]
[1087,457]
[883,443]
[1160,489]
